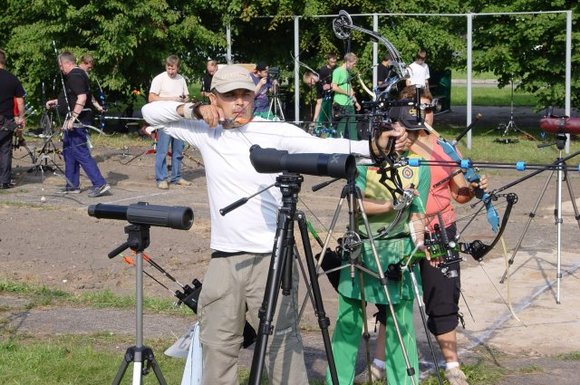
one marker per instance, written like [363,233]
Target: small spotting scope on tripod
[141,217]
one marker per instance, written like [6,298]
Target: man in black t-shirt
[11,119]
[71,104]
[323,110]
[384,72]
[210,69]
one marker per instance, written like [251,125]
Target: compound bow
[386,160]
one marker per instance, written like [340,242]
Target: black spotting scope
[142,213]
[270,160]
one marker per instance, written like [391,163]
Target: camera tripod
[511,124]
[280,275]
[562,175]
[45,160]
[142,356]
[275,111]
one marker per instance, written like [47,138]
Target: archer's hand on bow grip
[382,144]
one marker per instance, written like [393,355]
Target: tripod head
[560,142]
[142,216]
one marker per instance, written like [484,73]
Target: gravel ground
[50,240]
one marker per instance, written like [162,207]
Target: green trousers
[347,336]
[347,124]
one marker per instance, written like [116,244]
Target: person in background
[169,85]
[419,71]
[384,72]
[11,99]
[344,101]
[264,86]
[86,63]
[210,68]
[323,109]
[72,105]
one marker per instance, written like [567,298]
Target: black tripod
[44,161]
[562,175]
[141,356]
[511,124]
[280,275]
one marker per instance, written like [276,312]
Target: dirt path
[53,242]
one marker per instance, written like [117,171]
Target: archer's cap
[232,77]
[407,116]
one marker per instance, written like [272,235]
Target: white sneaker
[456,376]
[377,374]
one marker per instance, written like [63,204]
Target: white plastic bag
[193,371]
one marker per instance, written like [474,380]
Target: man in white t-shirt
[169,85]
[419,71]
[242,241]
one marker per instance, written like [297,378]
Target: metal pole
[229,43]
[375,51]
[296,70]
[469,75]
[568,71]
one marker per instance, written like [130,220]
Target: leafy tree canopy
[130,38]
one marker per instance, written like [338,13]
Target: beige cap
[232,77]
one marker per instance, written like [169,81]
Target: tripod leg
[366,335]
[383,282]
[421,307]
[572,200]
[151,362]
[326,242]
[281,116]
[531,215]
[323,320]
[558,219]
[129,357]
[266,313]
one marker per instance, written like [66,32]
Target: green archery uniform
[398,243]
[343,103]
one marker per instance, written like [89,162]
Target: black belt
[377,237]
[225,254]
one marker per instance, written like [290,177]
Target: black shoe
[69,190]
[98,191]
[6,186]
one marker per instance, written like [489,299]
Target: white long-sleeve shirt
[231,176]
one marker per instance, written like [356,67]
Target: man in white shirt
[169,85]
[242,241]
[419,71]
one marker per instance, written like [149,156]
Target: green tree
[128,38]
[530,49]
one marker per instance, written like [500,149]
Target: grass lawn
[490,96]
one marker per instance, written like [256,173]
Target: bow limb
[477,249]
[343,26]
[101,132]
[364,87]
[302,64]
[470,175]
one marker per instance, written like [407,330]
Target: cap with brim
[232,77]
[407,116]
